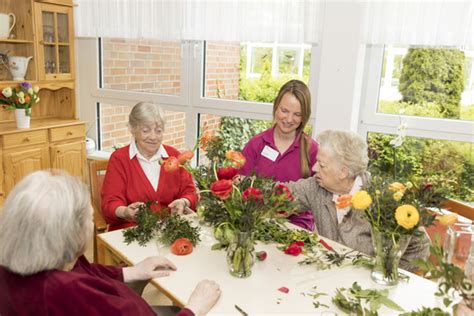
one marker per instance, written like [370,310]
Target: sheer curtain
[441,22]
[289,21]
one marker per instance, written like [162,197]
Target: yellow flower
[397,187]
[448,219]
[397,196]
[407,216]
[409,185]
[361,200]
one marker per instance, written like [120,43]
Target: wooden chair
[97,170]
[459,208]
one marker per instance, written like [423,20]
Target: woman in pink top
[284,152]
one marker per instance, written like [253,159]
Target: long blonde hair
[301,92]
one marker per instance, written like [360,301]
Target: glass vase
[388,251]
[241,255]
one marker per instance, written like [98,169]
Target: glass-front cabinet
[56,39]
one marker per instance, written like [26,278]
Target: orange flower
[171,164]
[185,156]
[397,187]
[205,140]
[344,201]
[238,160]
[448,219]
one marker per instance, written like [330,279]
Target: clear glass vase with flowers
[235,205]
[395,211]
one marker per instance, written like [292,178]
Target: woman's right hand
[204,297]
[128,212]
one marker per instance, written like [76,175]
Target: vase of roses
[20,99]
[395,212]
[235,205]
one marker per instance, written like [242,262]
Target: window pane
[253,71]
[114,127]
[427,81]
[445,163]
[234,133]
[142,65]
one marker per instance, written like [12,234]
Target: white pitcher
[5,27]
[18,66]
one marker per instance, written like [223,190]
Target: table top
[258,294]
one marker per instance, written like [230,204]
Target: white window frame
[424,127]
[191,100]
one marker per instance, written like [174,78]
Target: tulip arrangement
[22,97]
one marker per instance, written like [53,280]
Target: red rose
[293,249]
[226,173]
[282,189]
[171,164]
[261,255]
[222,189]
[300,243]
[185,156]
[252,193]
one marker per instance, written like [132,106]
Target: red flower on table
[252,194]
[284,289]
[295,248]
[222,188]
[226,173]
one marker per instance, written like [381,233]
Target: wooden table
[258,294]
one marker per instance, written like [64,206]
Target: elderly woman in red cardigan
[134,174]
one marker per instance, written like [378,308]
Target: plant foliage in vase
[22,97]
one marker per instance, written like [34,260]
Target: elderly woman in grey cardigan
[341,168]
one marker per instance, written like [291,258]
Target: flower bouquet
[22,97]
[235,205]
[395,211]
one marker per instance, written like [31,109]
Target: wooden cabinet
[44,30]
[52,143]
[56,41]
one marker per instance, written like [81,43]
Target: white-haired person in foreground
[45,225]
[341,168]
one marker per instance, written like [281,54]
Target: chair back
[97,169]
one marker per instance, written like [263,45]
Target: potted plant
[20,99]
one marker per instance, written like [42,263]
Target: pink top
[286,167]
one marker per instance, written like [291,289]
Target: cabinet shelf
[16,41]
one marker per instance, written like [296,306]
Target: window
[252,71]
[446,163]
[141,65]
[115,132]
[427,81]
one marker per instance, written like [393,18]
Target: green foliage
[448,165]
[427,109]
[159,225]
[467,112]
[433,75]
[427,311]
[451,276]
[357,301]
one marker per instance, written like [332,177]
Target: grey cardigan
[354,231]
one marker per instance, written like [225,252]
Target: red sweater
[89,289]
[126,183]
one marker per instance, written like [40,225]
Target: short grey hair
[145,113]
[349,149]
[44,222]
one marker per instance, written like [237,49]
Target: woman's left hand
[151,267]
[179,206]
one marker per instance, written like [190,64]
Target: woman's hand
[204,297]
[128,212]
[151,267]
[179,206]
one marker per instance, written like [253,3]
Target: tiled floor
[150,294]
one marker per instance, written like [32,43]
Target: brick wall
[154,66]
